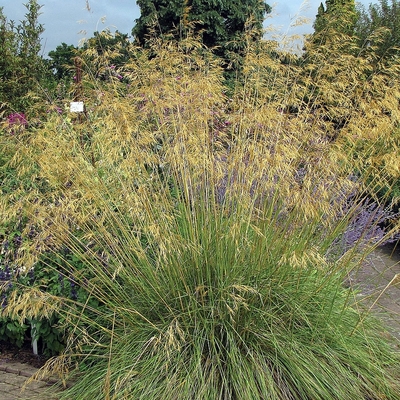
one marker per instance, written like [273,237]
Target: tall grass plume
[207,226]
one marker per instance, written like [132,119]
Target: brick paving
[13,376]
[378,271]
[379,283]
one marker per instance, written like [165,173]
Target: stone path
[379,282]
[13,376]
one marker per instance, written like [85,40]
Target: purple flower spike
[3,300]
[17,119]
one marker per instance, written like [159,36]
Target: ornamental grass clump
[204,225]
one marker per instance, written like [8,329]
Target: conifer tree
[62,60]
[337,15]
[221,24]
[379,26]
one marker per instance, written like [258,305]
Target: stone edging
[26,374]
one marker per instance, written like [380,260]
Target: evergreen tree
[113,48]
[378,32]
[379,26]
[221,24]
[62,61]
[337,15]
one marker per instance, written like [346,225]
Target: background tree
[112,48]
[30,31]
[222,24]
[25,72]
[337,15]
[378,33]
[106,53]
[365,42]
[61,60]
[8,59]
[379,26]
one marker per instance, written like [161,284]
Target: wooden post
[78,99]
[78,93]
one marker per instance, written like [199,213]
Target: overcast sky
[70,22]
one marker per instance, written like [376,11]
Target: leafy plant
[22,68]
[12,331]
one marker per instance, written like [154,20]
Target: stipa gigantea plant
[210,296]
[203,225]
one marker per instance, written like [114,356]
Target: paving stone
[12,379]
[373,279]
[13,384]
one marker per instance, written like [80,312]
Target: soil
[24,355]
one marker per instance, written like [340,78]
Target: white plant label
[76,106]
